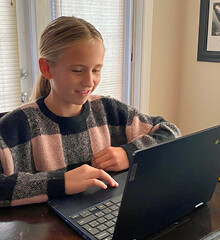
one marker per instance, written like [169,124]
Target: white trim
[146,56]
[27,39]
[142,32]
[33,39]
[43,9]
[136,53]
[127,51]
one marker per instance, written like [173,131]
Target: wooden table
[36,222]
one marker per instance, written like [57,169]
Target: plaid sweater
[37,146]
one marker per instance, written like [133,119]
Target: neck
[62,109]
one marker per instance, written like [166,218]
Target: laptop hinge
[133,172]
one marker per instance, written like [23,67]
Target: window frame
[136,81]
[141,54]
[127,40]
[26,19]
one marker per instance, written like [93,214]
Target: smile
[83,93]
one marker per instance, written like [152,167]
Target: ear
[44,68]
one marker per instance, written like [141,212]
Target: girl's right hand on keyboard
[81,178]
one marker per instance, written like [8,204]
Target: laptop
[163,183]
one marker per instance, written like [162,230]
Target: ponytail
[41,89]
[60,34]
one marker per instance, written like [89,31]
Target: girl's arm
[142,131]
[25,188]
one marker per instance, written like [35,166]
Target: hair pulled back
[60,34]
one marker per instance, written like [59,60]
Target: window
[10,91]
[115,19]
[109,18]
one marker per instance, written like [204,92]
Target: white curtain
[10,91]
[108,17]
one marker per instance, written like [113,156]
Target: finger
[94,173]
[96,182]
[105,164]
[100,153]
[101,159]
[106,177]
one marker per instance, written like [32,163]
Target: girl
[66,139]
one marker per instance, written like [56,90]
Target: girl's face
[75,75]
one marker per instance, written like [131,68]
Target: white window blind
[10,92]
[108,17]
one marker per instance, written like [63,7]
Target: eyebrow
[81,65]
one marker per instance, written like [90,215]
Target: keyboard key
[74,216]
[109,216]
[85,213]
[102,235]
[108,238]
[111,230]
[101,206]
[108,203]
[101,220]
[93,231]
[102,227]
[99,214]
[92,209]
[117,199]
[109,223]
[115,213]
[106,210]
[94,224]
[86,219]
[114,207]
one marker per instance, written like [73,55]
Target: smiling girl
[66,139]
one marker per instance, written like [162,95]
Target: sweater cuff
[129,148]
[55,184]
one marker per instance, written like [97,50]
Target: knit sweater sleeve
[18,184]
[26,188]
[143,131]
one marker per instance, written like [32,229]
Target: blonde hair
[60,34]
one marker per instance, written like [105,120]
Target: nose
[88,80]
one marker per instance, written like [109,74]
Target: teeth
[83,91]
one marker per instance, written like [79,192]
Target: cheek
[59,85]
[97,81]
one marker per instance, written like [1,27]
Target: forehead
[87,51]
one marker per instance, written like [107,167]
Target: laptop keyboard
[99,220]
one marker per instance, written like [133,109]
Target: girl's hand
[81,178]
[111,159]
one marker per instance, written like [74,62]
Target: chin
[79,103]
[76,100]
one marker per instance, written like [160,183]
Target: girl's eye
[97,70]
[76,71]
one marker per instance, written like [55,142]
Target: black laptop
[164,183]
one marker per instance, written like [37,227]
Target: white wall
[200,81]
[182,89]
